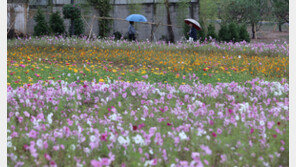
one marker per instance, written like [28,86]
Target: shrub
[201,33]
[186,29]
[78,26]
[234,32]
[211,32]
[243,33]
[224,34]
[41,28]
[73,12]
[117,35]
[56,23]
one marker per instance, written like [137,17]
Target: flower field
[79,102]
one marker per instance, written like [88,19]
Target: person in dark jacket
[131,31]
[193,32]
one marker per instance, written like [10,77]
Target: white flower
[73,147]
[148,163]
[173,165]
[139,140]
[123,141]
[39,143]
[9,138]
[86,150]
[92,138]
[239,56]
[9,144]
[262,122]
[151,151]
[49,119]
[182,136]
[237,117]
[113,117]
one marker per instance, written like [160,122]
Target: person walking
[192,33]
[131,31]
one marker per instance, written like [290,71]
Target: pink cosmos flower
[219,131]
[206,149]
[145,76]
[124,95]
[33,134]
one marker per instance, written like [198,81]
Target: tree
[280,9]
[208,10]
[103,7]
[73,12]
[41,27]
[211,32]
[234,32]
[169,22]
[243,33]
[182,13]
[224,34]
[56,23]
[246,11]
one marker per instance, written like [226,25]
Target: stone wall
[121,9]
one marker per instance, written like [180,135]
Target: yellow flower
[75,70]
[101,80]
[114,70]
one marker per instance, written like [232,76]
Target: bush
[211,32]
[71,12]
[78,26]
[41,28]
[234,32]
[186,29]
[243,33]
[224,34]
[201,33]
[117,35]
[56,23]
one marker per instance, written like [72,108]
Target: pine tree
[41,28]
[56,23]
[78,26]
[243,33]
[211,32]
[234,32]
[224,34]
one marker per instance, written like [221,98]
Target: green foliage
[208,10]
[234,32]
[56,23]
[243,33]
[280,9]
[201,35]
[117,35]
[71,11]
[103,7]
[186,29]
[78,26]
[224,34]
[41,28]
[211,32]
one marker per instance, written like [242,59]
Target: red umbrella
[194,23]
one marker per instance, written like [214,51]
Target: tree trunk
[254,31]
[280,27]
[169,22]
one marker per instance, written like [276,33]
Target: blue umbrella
[136,18]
